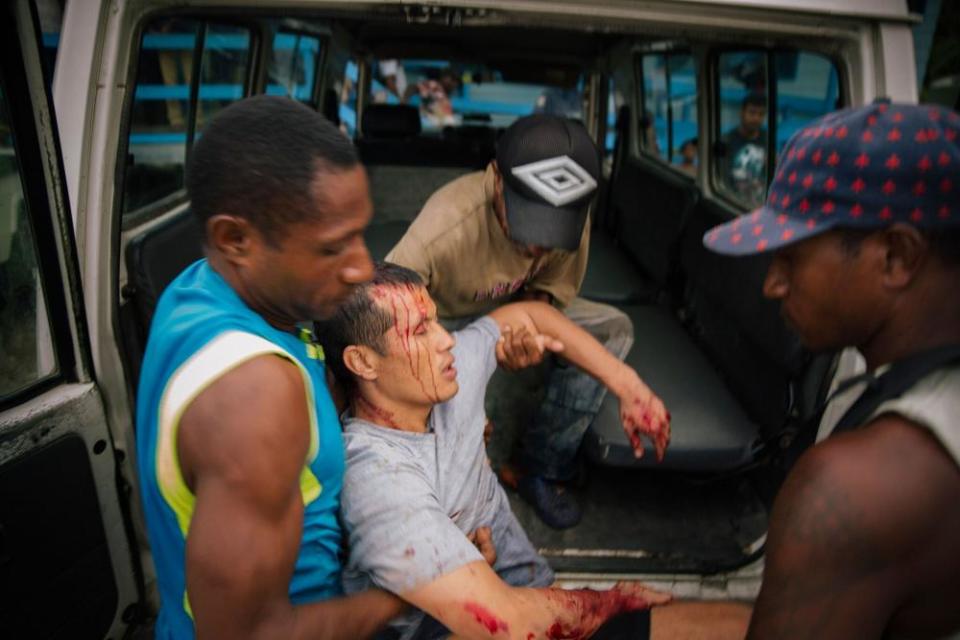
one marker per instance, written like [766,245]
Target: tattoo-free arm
[242,444]
[641,411]
[474,603]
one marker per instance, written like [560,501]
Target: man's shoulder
[872,478]
[456,206]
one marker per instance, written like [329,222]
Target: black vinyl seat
[154,258]
[710,431]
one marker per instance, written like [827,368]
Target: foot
[556,506]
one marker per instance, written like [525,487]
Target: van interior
[661,98]
[734,377]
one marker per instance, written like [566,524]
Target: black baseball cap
[550,168]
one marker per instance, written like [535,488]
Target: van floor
[649,522]
[634,520]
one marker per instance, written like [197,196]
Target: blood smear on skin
[488,620]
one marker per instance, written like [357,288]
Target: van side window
[668,120]
[615,101]
[171,103]
[26,347]
[805,86]
[345,88]
[294,60]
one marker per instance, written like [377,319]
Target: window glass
[806,85]
[668,124]
[26,347]
[466,94]
[293,66]
[653,118]
[742,152]
[165,116]
[346,89]
[616,99]
[223,70]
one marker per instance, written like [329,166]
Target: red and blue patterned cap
[862,167]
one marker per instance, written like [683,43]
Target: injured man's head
[386,347]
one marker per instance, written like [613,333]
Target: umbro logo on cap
[558,180]
[550,168]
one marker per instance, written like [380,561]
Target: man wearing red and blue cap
[863,222]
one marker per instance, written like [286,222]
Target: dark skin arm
[862,537]
[242,444]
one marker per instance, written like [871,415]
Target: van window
[294,60]
[668,120]
[26,347]
[616,99]
[345,88]
[171,105]
[805,85]
[460,95]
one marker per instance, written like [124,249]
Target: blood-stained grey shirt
[409,499]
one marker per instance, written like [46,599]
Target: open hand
[643,414]
[518,349]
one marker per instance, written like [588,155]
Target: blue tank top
[201,330]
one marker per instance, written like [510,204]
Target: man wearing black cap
[864,219]
[519,230]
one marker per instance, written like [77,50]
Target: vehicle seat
[154,259]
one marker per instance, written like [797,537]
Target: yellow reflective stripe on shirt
[220,355]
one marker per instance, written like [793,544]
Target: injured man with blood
[417,479]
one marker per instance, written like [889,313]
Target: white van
[662,85]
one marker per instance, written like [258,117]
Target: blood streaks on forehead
[413,299]
[409,306]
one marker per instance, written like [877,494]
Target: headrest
[390,121]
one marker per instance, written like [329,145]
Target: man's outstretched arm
[857,532]
[474,603]
[641,411]
[242,444]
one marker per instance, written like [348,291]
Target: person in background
[743,167]
[688,157]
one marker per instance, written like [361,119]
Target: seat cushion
[710,432]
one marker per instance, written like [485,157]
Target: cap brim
[543,225]
[761,231]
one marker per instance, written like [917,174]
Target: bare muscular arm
[641,411]
[475,603]
[864,526]
[242,444]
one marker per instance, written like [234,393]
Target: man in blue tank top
[239,447]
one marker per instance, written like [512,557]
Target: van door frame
[69,403]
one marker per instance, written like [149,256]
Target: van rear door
[66,564]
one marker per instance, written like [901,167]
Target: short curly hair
[259,158]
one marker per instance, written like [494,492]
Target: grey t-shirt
[409,499]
